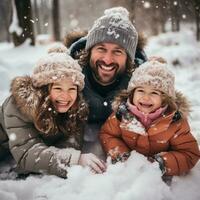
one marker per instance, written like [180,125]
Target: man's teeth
[107,68]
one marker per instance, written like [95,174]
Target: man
[108,61]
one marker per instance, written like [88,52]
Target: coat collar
[25,95]
[161,124]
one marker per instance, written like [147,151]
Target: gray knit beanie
[153,73]
[55,66]
[115,27]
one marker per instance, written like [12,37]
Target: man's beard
[100,65]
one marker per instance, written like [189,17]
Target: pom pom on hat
[156,58]
[154,73]
[56,66]
[123,12]
[58,48]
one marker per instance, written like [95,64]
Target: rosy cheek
[52,97]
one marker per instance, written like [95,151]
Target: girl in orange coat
[150,117]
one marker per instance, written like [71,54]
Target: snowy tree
[175,17]
[197,14]
[163,14]
[5,17]
[36,17]
[131,4]
[56,19]
[22,23]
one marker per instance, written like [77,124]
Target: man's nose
[108,58]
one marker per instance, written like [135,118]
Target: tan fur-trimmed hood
[73,36]
[182,103]
[26,96]
[142,41]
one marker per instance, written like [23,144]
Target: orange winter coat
[169,138]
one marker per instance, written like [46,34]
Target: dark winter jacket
[98,97]
[34,150]
[168,137]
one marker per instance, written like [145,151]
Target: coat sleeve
[29,150]
[111,140]
[184,151]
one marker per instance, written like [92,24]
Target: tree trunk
[175,18]
[197,13]
[131,8]
[37,18]
[163,14]
[24,15]
[5,20]
[56,20]
[155,17]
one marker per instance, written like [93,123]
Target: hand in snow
[94,163]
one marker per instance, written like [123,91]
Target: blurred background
[50,20]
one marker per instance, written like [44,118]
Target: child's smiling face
[147,99]
[63,94]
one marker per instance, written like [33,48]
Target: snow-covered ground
[137,178]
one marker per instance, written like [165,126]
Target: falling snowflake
[147,4]
[12,137]
[54,77]
[175,3]
[184,16]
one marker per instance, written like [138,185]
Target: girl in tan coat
[44,117]
[151,118]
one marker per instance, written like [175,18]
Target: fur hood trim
[26,96]
[182,103]
[142,41]
[73,36]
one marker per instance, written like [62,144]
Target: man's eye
[118,53]
[100,49]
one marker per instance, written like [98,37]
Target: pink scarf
[146,119]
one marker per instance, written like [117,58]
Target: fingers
[98,169]
[93,171]
[97,165]
[93,162]
[101,164]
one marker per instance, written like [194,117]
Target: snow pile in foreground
[135,179]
